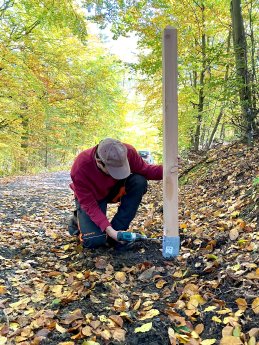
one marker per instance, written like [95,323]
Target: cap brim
[119,173]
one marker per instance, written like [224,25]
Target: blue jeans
[91,235]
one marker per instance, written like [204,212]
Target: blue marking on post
[171,246]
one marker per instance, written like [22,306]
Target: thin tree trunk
[201,90]
[240,50]
[221,112]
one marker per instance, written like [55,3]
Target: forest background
[61,91]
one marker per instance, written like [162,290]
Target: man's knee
[90,240]
[138,182]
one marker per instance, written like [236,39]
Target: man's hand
[112,233]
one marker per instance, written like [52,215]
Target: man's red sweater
[91,185]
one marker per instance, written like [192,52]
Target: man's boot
[73,226]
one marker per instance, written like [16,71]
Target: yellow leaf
[183,226]
[216,319]
[144,328]
[230,340]
[183,338]
[60,328]
[103,318]
[67,343]
[178,274]
[252,341]
[105,334]
[14,326]
[195,335]
[87,331]
[21,304]
[2,290]
[80,275]
[150,314]
[137,304]
[3,340]
[235,214]
[210,308]
[208,341]
[90,342]
[120,276]
[196,300]
[255,305]
[160,283]
[126,316]
[224,311]
[66,247]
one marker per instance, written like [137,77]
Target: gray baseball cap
[113,154]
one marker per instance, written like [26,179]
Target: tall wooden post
[171,239]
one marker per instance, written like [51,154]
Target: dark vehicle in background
[146,156]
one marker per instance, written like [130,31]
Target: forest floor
[54,292]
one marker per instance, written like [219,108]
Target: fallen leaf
[2,290]
[216,319]
[105,334]
[95,324]
[60,328]
[147,274]
[208,341]
[101,263]
[254,332]
[87,331]
[255,305]
[190,289]
[119,335]
[160,283]
[21,304]
[241,303]
[230,340]
[233,234]
[150,314]
[226,331]
[210,308]
[252,341]
[199,328]
[172,337]
[117,319]
[144,328]
[137,304]
[237,331]
[120,277]
[3,340]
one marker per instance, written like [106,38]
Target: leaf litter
[54,292]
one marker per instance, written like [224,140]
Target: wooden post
[171,239]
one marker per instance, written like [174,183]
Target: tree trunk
[201,90]
[240,50]
[221,112]
[254,83]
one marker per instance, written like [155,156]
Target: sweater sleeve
[139,166]
[89,204]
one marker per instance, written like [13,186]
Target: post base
[171,246]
